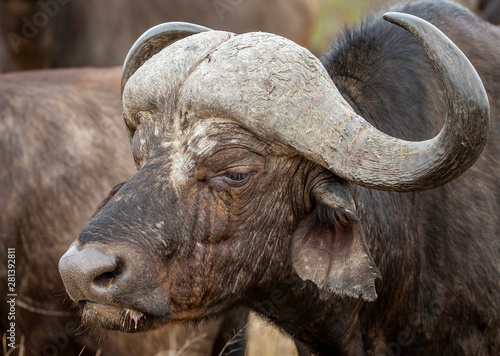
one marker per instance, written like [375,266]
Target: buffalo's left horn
[153,41]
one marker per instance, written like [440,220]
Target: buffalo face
[205,220]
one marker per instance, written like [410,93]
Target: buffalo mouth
[116,318]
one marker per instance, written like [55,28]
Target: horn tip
[395,17]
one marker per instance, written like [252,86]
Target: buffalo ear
[105,201]
[329,246]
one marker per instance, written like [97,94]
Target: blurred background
[336,14]
[70,33]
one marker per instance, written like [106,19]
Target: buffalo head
[247,155]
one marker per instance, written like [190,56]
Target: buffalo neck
[324,325]
[332,325]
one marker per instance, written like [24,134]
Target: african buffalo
[73,33]
[62,145]
[263,180]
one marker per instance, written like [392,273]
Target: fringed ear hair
[329,247]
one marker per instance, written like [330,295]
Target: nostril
[104,280]
[88,273]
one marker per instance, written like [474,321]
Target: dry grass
[20,349]
[265,340]
[10,351]
[182,350]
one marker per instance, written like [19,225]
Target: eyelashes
[233,179]
[236,176]
[236,179]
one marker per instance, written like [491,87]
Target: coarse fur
[250,211]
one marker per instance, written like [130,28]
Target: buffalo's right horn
[282,93]
[153,41]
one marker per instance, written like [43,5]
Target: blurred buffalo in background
[73,33]
[487,9]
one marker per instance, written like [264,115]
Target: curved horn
[288,97]
[410,166]
[153,41]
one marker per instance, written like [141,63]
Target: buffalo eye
[236,176]
[232,178]
[236,179]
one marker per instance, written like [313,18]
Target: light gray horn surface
[153,41]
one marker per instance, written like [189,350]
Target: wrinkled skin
[226,218]
[234,181]
[63,145]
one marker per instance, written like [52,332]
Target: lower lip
[113,317]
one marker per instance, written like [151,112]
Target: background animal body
[437,251]
[487,9]
[62,33]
